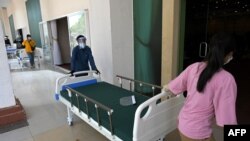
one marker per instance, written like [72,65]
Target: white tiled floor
[47,117]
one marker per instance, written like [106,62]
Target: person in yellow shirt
[30,46]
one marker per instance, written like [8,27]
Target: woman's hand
[165,89]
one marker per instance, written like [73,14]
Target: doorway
[20,33]
[207,17]
[63,42]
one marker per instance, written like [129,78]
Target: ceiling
[4,3]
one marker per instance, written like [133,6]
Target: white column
[5,22]
[122,38]
[112,41]
[101,38]
[7,98]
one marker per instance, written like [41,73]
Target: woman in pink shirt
[211,92]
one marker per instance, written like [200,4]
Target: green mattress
[109,95]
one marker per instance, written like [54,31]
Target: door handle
[203,45]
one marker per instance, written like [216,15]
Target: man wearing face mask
[82,56]
[30,46]
[7,41]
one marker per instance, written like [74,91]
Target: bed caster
[161,139]
[69,118]
[70,123]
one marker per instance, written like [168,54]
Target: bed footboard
[159,119]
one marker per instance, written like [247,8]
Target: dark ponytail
[220,45]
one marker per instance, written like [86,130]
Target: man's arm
[23,43]
[91,60]
[33,43]
[73,59]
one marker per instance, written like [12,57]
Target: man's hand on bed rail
[97,71]
[84,73]
[71,72]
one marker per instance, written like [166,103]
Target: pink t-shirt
[218,100]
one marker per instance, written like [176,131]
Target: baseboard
[12,117]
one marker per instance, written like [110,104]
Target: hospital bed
[11,51]
[24,59]
[97,103]
[13,59]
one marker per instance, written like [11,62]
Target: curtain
[12,27]
[147,42]
[34,17]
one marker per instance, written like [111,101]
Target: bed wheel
[70,123]
[160,139]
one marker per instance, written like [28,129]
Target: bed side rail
[159,119]
[97,106]
[141,83]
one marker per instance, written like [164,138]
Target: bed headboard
[79,84]
[73,81]
[160,118]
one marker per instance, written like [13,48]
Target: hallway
[46,117]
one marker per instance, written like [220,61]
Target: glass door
[195,46]
[46,43]
[204,18]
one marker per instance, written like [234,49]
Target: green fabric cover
[109,95]
[147,42]
[34,17]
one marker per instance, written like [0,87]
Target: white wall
[50,9]
[20,14]
[5,20]
[111,30]
[7,98]
[122,37]
[17,8]
[101,41]
[53,9]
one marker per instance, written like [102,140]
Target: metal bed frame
[153,126]
[23,57]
